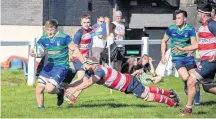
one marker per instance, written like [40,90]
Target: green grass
[96,102]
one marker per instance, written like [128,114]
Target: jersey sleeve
[99,72]
[77,37]
[168,32]
[192,33]
[68,40]
[212,27]
[41,42]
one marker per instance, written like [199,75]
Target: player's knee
[185,77]
[151,97]
[50,88]
[40,88]
[146,95]
[191,82]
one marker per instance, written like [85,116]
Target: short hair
[181,11]
[91,61]
[85,17]
[118,12]
[51,23]
[100,17]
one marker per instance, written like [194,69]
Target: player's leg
[182,71]
[203,74]
[40,93]
[135,87]
[191,67]
[154,89]
[58,74]
[80,74]
[42,81]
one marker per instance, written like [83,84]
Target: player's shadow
[207,103]
[199,113]
[112,105]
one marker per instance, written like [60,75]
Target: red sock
[155,89]
[161,99]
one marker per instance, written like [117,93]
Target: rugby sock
[161,99]
[155,89]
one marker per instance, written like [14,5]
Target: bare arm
[152,71]
[84,83]
[74,48]
[163,48]
[193,46]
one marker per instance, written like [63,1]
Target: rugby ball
[39,51]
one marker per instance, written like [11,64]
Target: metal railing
[144,42]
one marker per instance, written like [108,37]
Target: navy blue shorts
[206,72]
[70,75]
[54,74]
[135,87]
[187,62]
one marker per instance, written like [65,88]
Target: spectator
[98,45]
[130,66]
[119,35]
[145,71]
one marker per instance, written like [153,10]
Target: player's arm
[74,48]
[193,46]
[194,43]
[163,47]
[212,28]
[83,84]
[31,52]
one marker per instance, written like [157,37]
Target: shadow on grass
[199,113]
[112,105]
[208,103]
[106,100]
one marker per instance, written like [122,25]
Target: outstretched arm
[83,84]
[73,47]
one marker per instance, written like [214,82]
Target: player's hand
[177,49]
[32,53]
[163,60]
[150,60]
[212,58]
[70,91]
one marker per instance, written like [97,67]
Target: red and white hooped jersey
[207,42]
[115,80]
[84,42]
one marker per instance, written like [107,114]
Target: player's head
[181,17]
[90,64]
[204,12]
[144,59]
[100,20]
[85,21]
[51,27]
[118,16]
